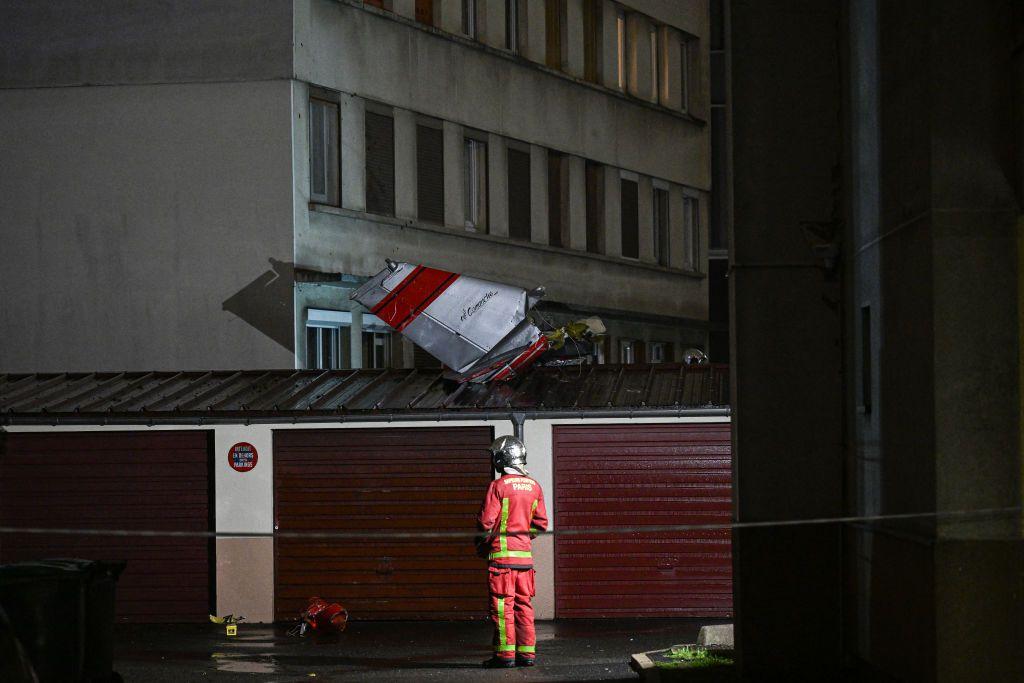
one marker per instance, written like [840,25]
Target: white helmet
[508,451]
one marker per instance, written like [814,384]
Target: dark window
[595,208]
[380,164]
[558,200]
[719,179]
[324,169]
[554,32]
[519,194]
[593,48]
[425,12]
[430,174]
[630,219]
[691,233]
[661,224]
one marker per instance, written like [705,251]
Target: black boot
[497,662]
[525,661]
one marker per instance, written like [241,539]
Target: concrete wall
[934,247]
[146,227]
[343,241]
[108,42]
[787,336]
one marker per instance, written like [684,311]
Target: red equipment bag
[324,616]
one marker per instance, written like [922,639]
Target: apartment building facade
[199,186]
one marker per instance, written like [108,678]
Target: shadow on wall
[266,303]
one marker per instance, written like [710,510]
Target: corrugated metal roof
[245,395]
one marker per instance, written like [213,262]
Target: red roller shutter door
[117,480]
[634,476]
[402,479]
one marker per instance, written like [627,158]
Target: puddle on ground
[243,663]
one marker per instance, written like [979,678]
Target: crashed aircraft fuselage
[477,328]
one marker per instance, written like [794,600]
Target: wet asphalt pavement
[574,650]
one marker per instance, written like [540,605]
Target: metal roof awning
[358,395]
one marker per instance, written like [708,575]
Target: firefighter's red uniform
[512,511]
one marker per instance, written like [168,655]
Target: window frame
[332,149]
[662,237]
[684,73]
[470,19]
[691,232]
[624,177]
[475,189]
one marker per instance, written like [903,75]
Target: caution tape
[964,515]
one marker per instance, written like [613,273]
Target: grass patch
[691,658]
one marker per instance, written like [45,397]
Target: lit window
[324,170]
[476,184]
[622,42]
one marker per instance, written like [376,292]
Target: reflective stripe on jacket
[513,509]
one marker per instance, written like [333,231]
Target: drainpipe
[517,425]
[355,338]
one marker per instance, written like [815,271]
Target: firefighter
[512,513]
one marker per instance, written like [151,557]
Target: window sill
[456,231]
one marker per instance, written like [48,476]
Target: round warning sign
[242,457]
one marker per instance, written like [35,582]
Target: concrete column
[355,338]
[612,212]
[492,26]
[676,228]
[574,36]
[537,435]
[405,163]
[404,8]
[610,44]
[497,185]
[450,16]
[577,203]
[454,180]
[645,204]
[245,504]
[538,194]
[535,41]
[353,153]
[408,350]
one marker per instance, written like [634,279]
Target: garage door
[635,476]
[396,480]
[116,480]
